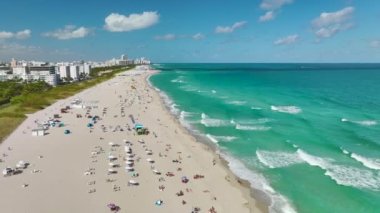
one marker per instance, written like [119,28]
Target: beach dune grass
[8,124]
[14,113]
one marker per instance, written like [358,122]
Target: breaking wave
[343,175]
[362,123]
[252,128]
[278,159]
[237,103]
[371,163]
[212,122]
[217,139]
[287,109]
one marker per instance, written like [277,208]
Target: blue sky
[192,31]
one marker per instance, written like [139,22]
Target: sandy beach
[87,169]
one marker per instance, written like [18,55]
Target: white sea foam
[287,109]
[371,163]
[255,121]
[237,103]
[212,138]
[188,88]
[169,102]
[217,139]
[344,151]
[362,123]
[366,123]
[278,159]
[256,108]
[185,114]
[174,109]
[213,91]
[226,138]
[278,203]
[212,122]
[344,175]
[252,128]
[178,80]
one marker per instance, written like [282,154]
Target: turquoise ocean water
[306,136]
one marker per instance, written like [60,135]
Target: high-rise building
[13,63]
[74,72]
[64,71]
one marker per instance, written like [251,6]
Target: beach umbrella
[150,160]
[129,163]
[111,157]
[156,172]
[133,182]
[129,168]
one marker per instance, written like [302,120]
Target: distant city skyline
[191,31]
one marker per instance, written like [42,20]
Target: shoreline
[58,162]
[243,185]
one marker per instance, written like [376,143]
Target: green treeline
[18,98]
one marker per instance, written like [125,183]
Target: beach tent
[139,126]
[38,132]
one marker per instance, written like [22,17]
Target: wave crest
[278,159]
[212,122]
[287,109]
[252,128]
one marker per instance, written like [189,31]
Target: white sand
[61,186]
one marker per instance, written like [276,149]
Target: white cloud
[329,24]
[6,35]
[269,15]
[167,37]
[274,4]
[375,43]
[69,32]
[120,23]
[230,29]
[24,34]
[198,36]
[287,40]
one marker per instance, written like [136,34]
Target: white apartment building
[74,72]
[51,79]
[64,71]
[87,69]
[20,70]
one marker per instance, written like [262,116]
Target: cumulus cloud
[68,32]
[287,40]
[274,4]
[167,37]
[230,29]
[120,23]
[269,15]
[198,36]
[24,34]
[329,24]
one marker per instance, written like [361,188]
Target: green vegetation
[18,98]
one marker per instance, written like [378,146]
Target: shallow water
[310,131]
